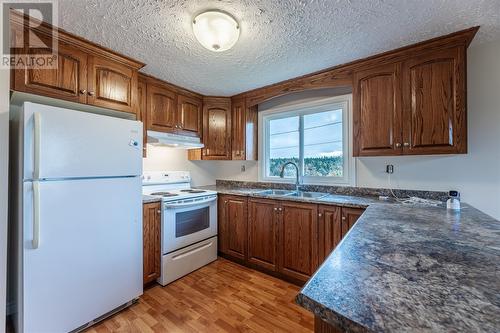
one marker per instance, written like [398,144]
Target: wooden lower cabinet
[262,233]
[284,238]
[151,228]
[330,226]
[321,326]
[298,240]
[334,223]
[233,226]
[349,217]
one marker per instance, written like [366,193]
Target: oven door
[188,221]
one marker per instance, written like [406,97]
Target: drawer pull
[196,249]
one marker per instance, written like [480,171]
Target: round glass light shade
[216,31]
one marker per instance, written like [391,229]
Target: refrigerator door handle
[37,117]
[36,214]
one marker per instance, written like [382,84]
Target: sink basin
[310,195]
[288,193]
[277,193]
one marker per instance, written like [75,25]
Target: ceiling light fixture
[216,30]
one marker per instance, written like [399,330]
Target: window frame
[304,108]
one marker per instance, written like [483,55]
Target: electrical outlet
[243,168]
[389,168]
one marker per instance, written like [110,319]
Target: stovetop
[171,185]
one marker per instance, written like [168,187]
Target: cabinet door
[67,81]
[377,111]
[238,120]
[190,115]
[112,85]
[234,227]
[262,233]
[434,92]
[298,240]
[330,230]
[349,217]
[141,111]
[151,225]
[217,129]
[162,109]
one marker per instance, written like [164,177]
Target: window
[314,135]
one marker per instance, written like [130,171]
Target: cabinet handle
[343,218]
[280,209]
[225,202]
[398,145]
[319,214]
[91,93]
[406,144]
[158,211]
[275,209]
[83,91]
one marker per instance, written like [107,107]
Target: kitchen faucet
[282,173]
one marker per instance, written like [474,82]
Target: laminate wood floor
[220,297]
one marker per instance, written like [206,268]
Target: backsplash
[341,190]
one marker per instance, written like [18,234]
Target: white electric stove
[189,223]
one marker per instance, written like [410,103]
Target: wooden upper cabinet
[238,120]
[161,109]
[84,73]
[435,110]
[413,107]
[112,85]
[233,226]
[377,111]
[142,111]
[151,226]
[262,233]
[217,128]
[189,115]
[67,81]
[298,240]
[244,131]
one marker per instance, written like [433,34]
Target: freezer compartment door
[64,143]
[89,256]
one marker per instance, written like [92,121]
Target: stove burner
[193,191]
[165,194]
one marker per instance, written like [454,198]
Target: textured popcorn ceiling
[279,39]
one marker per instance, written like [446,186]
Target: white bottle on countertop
[453,202]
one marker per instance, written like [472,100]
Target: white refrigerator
[76,227]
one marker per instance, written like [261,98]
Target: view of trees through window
[314,138]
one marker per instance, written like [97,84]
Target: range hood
[174,140]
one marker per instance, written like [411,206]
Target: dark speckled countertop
[406,269]
[149,199]
[411,269]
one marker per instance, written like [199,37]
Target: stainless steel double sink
[289,193]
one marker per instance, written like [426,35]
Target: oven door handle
[191,203]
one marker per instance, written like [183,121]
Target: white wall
[162,158]
[476,175]
[4,158]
